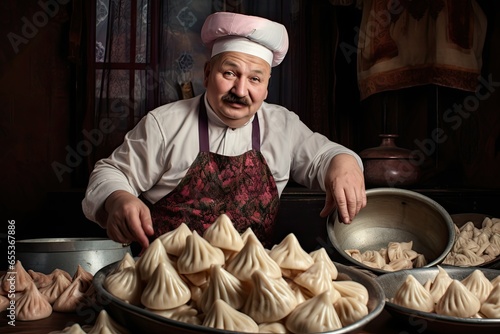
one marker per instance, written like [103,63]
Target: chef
[224,151]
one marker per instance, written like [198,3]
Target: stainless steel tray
[423,322]
[139,320]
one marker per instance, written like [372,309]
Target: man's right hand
[128,219]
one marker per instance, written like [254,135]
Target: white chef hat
[226,31]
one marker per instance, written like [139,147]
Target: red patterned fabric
[241,187]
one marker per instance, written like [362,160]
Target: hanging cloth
[409,43]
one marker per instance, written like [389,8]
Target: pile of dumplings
[475,246]
[38,294]
[229,281]
[475,296]
[396,256]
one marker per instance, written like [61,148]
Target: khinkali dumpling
[495,238]
[487,222]
[126,261]
[449,259]
[467,258]
[290,256]
[223,234]
[413,295]
[399,264]
[223,316]
[321,255]
[41,280]
[165,290]
[125,285]
[184,313]
[314,315]
[478,284]
[21,279]
[491,306]
[252,257]
[316,280]
[248,231]
[83,275]
[460,243]
[198,255]
[73,296]
[395,250]
[105,324]
[440,284]
[174,241]
[355,254]
[223,285]
[52,291]
[350,310]
[352,289]
[373,259]
[32,305]
[492,251]
[468,229]
[458,301]
[270,299]
[149,260]
[495,228]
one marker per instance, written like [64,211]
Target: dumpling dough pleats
[491,306]
[458,301]
[223,316]
[271,299]
[412,294]
[314,315]
[165,290]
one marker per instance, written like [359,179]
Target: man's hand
[128,219]
[345,188]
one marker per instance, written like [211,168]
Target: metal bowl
[140,320]
[395,215]
[421,322]
[46,254]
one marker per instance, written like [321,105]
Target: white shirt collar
[215,119]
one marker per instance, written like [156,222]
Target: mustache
[232,98]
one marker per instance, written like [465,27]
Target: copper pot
[388,165]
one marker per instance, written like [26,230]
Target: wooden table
[56,322]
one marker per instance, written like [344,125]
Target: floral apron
[241,187]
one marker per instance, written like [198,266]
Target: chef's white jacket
[158,151]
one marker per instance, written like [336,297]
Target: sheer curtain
[120,70]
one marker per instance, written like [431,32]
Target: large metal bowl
[140,320]
[46,254]
[420,322]
[395,215]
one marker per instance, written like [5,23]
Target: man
[225,151]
